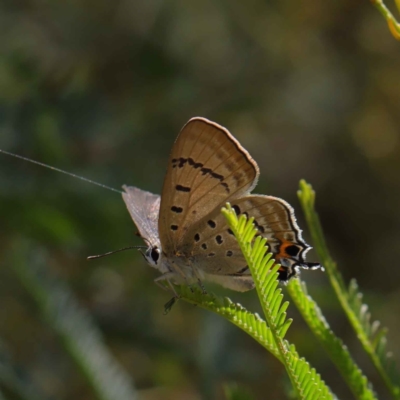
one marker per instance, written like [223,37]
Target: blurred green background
[102,88]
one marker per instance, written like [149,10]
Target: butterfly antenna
[60,170]
[116,251]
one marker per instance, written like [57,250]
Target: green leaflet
[305,380]
[335,348]
[250,323]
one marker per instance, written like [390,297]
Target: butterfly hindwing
[216,250]
[274,219]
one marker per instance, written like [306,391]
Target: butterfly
[188,238]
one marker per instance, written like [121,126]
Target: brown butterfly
[187,236]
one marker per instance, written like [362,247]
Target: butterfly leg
[168,305]
[199,281]
[162,286]
[200,284]
[167,277]
[203,289]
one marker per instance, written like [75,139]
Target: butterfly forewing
[207,168]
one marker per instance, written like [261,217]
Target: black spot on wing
[174,227]
[258,226]
[292,250]
[226,186]
[196,237]
[177,210]
[209,171]
[241,271]
[182,188]
[178,162]
[194,164]
[285,273]
[181,162]
[246,268]
[219,239]
[211,223]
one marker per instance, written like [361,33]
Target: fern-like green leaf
[370,335]
[250,323]
[335,348]
[306,382]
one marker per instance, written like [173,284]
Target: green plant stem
[235,225]
[334,347]
[393,25]
[307,198]
[250,323]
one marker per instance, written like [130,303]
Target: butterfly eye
[152,255]
[155,254]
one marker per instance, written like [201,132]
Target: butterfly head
[152,256]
